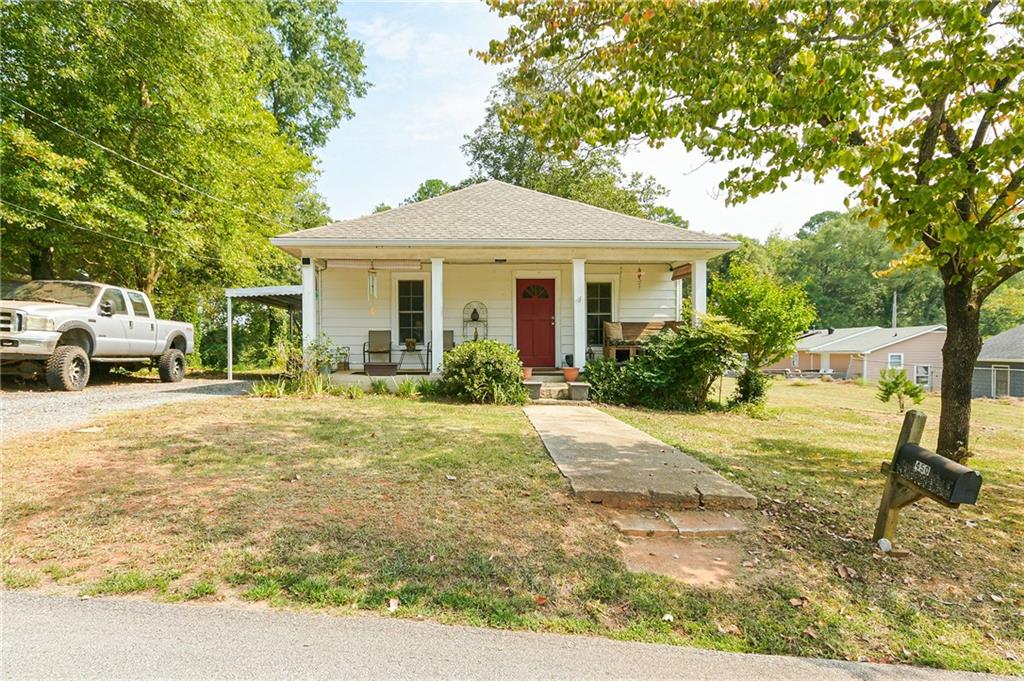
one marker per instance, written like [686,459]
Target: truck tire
[67,368]
[172,366]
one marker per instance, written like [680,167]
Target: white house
[494,260]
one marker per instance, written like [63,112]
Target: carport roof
[288,297]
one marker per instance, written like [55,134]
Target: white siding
[347,314]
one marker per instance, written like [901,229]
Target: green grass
[456,511]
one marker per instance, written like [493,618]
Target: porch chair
[449,343]
[377,347]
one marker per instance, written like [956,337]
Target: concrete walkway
[609,462]
[47,637]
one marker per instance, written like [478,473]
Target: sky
[428,92]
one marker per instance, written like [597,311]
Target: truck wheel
[172,366]
[67,368]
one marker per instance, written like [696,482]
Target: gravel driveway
[34,408]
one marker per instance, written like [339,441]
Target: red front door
[535,321]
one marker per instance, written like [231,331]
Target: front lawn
[457,512]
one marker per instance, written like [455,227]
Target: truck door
[141,326]
[112,324]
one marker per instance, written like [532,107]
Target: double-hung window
[410,310]
[895,360]
[599,310]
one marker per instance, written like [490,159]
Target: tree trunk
[959,353]
[40,263]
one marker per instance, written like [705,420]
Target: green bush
[751,386]
[676,369]
[378,386]
[483,371]
[605,378]
[895,383]
[407,388]
[430,389]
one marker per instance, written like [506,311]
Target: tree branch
[1013,185]
[1002,274]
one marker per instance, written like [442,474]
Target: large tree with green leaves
[916,105]
[139,144]
[848,271]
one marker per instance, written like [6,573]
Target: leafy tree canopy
[916,105]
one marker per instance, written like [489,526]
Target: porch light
[639,276]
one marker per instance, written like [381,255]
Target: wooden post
[895,496]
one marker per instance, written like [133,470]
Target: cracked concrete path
[609,462]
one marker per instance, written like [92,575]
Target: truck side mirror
[107,308]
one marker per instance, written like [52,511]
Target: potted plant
[527,373]
[569,372]
[410,344]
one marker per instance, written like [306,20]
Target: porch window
[410,310]
[599,310]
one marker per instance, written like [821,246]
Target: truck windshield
[64,292]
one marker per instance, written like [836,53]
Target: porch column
[864,368]
[436,312]
[309,320]
[699,292]
[231,348]
[825,359]
[579,313]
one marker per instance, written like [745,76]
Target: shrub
[483,371]
[266,388]
[407,388]
[751,386]
[605,378]
[378,386]
[353,392]
[678,367]
[430,388]
[895,383]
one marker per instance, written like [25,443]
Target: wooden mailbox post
[916,473]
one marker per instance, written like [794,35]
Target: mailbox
[916,473]
[950,481]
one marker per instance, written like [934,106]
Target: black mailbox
[950,481]
[915,473]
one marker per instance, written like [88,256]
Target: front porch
[397,311]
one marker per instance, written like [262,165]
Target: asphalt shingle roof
[874,338]
[498,211]
[822,336]
[1008,345]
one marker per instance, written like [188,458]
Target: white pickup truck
[69,330]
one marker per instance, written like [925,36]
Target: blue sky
[428,92]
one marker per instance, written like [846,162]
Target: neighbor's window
[410,310]
[599,310]
[794,360]
[895,360]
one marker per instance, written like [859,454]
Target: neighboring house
[498,261]
[999,371]
[864,351]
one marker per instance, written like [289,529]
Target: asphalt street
[48,637]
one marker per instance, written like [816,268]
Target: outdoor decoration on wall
[639,276]
[474,320]
[371,283]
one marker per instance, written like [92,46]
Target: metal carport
[286,297]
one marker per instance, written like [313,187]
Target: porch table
[422,355]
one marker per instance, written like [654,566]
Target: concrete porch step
[685,524]
[570,391]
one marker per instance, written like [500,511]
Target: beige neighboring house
[864,351]
[493,260]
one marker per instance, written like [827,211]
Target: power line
[105,234]
[146,167]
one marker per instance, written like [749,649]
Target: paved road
[35,409]
[46,637]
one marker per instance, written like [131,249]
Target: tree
[774,313]
[149,158]
[1004,309]
[846,268]
[895,383]
[915,105]
[428,189]
[313,69]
